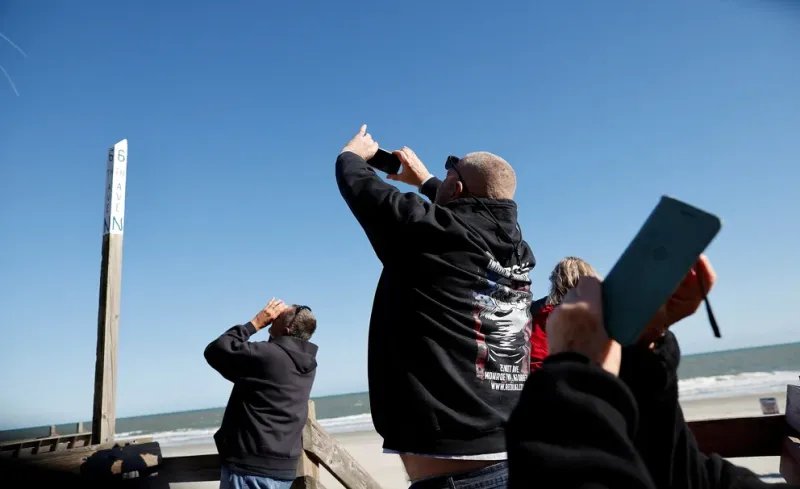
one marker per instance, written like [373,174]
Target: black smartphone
[385,162]
[654,264]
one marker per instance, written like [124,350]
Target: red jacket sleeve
[539,336]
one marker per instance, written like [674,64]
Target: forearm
[227,352]
[379,207]
[359,185]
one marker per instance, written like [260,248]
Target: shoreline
[366,445]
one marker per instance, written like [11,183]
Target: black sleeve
[230,353]
[429,188]
[572,428]
[664,440]
[380,208]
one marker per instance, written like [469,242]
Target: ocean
[734,373]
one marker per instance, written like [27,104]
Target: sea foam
[714,387]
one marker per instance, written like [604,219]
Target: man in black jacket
[449,335]
[603,431]
[260,440]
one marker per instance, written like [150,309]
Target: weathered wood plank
[305,466]
[105,370]
[793,406]
[323,449]
[790,460]
[66,460]
[197,468]
[24,448]
[758,436]
[105,379]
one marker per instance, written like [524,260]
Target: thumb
[363,130]
[393,176]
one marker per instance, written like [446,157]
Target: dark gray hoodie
[262,428]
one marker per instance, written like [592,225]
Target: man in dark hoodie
[449,337]
[260,440]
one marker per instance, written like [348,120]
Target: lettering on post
[116,174]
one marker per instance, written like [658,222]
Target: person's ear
[459,188]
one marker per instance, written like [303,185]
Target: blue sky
[235,112]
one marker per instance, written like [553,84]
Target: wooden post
[307,471]
[52,430]
[790,451]
[323,449]
[79,428]
[793,406]
[105,369]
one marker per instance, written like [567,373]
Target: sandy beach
[388,471]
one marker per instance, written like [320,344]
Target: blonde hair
[565,276]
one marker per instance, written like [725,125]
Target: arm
[429,187]
[664,440]
[572,428]
[229,354]
[380,208]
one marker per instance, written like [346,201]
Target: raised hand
[271,311]
[683,302]
[414,171]
[362,144]
[576,325]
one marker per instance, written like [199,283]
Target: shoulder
[541,311]
[262,348]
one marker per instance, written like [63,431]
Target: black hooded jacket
[449,337]
[577,426]
[262,428]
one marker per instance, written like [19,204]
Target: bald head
[487,175]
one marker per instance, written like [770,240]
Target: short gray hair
[302,324]
[565,276]
[488,175]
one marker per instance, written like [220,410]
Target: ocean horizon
[714,375]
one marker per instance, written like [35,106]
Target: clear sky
[235,112]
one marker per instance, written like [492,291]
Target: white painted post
[105,370]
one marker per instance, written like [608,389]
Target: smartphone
[385,162]
[654,264]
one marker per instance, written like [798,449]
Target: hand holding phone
[385,162]
[414,172]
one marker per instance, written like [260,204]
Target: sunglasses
[450,164]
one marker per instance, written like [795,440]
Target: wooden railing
[143,458]
[45,444]
[320,448]
[776,435]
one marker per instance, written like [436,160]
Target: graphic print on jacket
[503,327]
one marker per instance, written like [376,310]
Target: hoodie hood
[474,216]
[303,353]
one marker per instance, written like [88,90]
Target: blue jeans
[232,480]
[491,477]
